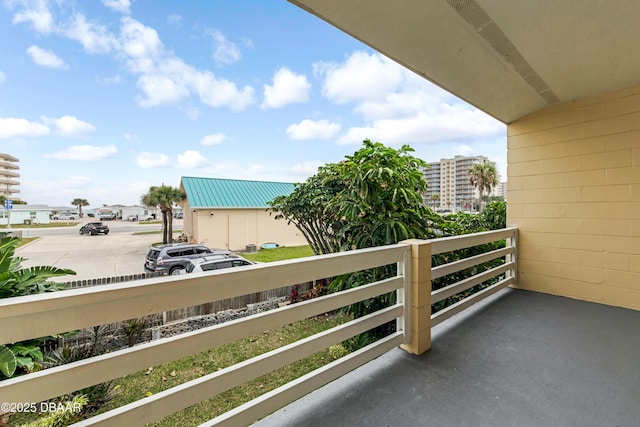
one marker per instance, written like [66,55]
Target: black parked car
[174,258]
[94,228]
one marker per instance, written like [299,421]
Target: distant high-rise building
[8,182]
[449,186]
[502,190]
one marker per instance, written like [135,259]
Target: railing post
[420,297]
[512,242]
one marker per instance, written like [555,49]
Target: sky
[102,99]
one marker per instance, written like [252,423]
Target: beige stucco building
[565,78]
[232,214]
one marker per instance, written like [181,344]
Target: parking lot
[91,257]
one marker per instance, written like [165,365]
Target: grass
[279,254]
[141,384]
[137,386]
[50,225]
[26,240]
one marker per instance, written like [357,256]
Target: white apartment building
[449,186]
[8,177]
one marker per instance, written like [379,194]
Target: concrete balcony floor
[517,359]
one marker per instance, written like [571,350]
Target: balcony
[515,358]
[519,359]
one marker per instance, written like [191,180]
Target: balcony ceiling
[507,58]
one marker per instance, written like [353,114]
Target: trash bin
[27,222]
[251,249]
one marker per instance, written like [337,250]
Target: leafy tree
[484,177]
[164,197]
[371,198]
[16,281]
[80,203]
[307,208]
[494,215]
[381,202]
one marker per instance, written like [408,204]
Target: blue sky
[103,99]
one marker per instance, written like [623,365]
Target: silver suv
[216,262]
[175,257]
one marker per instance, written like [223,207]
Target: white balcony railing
[41,315]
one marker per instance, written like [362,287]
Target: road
[91,257]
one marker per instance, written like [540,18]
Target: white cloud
[139,42]
[3,77]
[122,6]
[94,38]
[11,127]
[191,159]
[213,139]
[165,79]
[362,76]
[226,52]
[426,127]
[221,92]
[70,126]
[152,160]
[84,152]
[45,58]
[397,106]
[36,13]
[307,169]
[57,189]
[287,88]
[160,90]
[313,130]
[465,150]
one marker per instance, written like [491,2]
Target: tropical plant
[382,202]
[307,208]
[164,197]
[134,329]
[96,395]
[372,198]
[80,203]
[483,176]
[494,215]
[66,413]
[15,281]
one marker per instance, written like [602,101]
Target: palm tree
[435,198]
[484,177]
[164,197]
[80,203]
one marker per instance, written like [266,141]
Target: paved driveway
[91,257]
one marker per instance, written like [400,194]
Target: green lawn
[158,378]
[138,385]
[50,225]
[279,254]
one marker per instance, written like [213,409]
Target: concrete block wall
[574,192]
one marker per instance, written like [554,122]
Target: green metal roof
[232,193]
